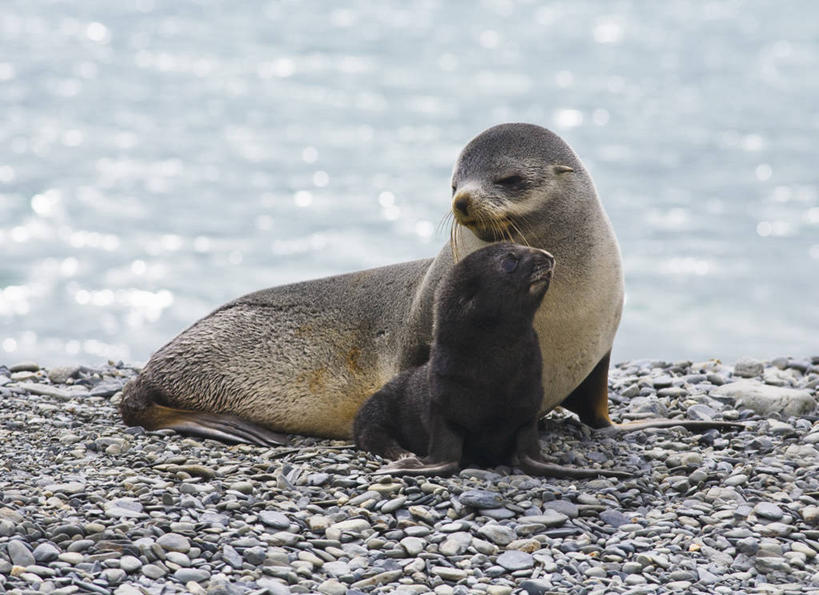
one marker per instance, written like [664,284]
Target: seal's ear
[562,169]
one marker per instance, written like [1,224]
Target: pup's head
[502,283]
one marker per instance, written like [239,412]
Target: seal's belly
[576,328]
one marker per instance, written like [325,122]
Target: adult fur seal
[302,358]
[472,402]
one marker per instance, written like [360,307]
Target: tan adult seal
[302,358]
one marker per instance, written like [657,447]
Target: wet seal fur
[302,358]
[476,400]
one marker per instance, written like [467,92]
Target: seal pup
[473,401]
[302,358]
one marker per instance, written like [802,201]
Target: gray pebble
[113,576]
[515,560]
[413,545]
[274,519]
[45,552]
[449,574]
[481,499]
[19,553]
[27,366]
[456,544]
[197,575]
[232,557]
[498,534]
[130,563]
[748,368]
[153,571]
[174,542]
[564,507]
[701,412]
[615,518]
[549,518]
[769,510]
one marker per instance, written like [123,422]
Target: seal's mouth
[489,229]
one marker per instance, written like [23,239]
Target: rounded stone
[153,571]
[130,563]
[274,519]
[481,499]
[595,572]
[516,560]
[197,575]
[456,544]
[174,542]
[748,368]
[113,575]
[769,510]
[45,553]
[413,545]
[19,553]
[498,534]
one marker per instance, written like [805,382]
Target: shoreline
[90,505]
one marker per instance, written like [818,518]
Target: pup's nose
[548,259]
[461,203]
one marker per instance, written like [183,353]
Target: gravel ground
[90,506]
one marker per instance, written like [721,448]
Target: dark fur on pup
[476,400]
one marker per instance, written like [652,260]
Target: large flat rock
[765,399]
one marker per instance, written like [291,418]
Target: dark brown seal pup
[302,358]
[476,400]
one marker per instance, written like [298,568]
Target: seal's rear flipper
[218,426]
[226,428]
[140,407]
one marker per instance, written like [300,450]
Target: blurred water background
[160,158]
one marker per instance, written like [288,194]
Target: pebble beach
[88,505]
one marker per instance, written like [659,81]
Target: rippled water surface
[160,158]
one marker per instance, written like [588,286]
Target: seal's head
[506,176]
[500,283]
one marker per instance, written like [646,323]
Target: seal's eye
[453,189]
[509,263]
[509,181]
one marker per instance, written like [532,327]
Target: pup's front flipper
[444,458]
[530,459]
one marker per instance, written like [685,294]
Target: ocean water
[160,158]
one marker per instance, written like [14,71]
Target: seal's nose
[461,203]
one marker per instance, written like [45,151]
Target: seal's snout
[461,203]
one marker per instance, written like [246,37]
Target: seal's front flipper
[412,465]
[226,428]
[661,422]
[590,400]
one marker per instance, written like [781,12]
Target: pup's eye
[509,264]
[509,181]
[453,189]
